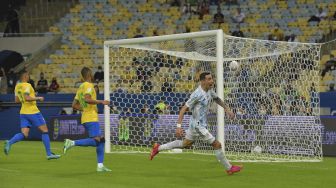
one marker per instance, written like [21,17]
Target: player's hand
[230,114]
[105,102]
[40,98]
[179,132]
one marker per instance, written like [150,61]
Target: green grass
[26,166]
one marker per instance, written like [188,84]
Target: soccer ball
[234,65]
[257,149]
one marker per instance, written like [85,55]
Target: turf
[26,166]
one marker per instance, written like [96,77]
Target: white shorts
[200,133]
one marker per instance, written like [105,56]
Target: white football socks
[100,165]
[222,159]
[171,145]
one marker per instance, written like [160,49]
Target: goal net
[272,89]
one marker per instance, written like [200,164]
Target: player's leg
[38,121]
[81,142]
[230,169]
[100,150]
[46,142]
[25,126]
[205,135]
[187,142]
[95,133]
[94,140]
[16,138]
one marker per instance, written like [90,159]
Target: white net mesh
[271,89]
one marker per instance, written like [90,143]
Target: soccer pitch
[26,166]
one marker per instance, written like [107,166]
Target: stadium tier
[89,23]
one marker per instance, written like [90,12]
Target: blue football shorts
[31,120]
[93,129]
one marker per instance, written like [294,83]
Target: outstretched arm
[227,110]
[29,98]
[89,100]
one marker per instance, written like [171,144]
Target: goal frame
[218,34]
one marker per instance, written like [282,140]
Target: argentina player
[198,104]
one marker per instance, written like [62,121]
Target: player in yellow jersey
[30,116]
[86,101]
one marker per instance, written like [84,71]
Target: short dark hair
[23,72]
[203,75]
[85,72]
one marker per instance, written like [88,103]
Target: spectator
[319,16]
[330,65]
[3,81]
[277,34]
[175,3]
[239,16]
[96,89]
[334,16]
[332,87]
[13,24]
[188,9]
[155,32]
[291,38]
[218,17]
[138,35]
[63,112]
[54,86]
[99,75]
[32,83]
[145,109]
[42,84]
[203,9]
[11,81]
[237,32]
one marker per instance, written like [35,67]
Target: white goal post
[272,90]
[219,54]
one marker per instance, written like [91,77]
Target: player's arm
[76,105]
[17,100]
[30,99]
[89,100]
[227,110]
[179,130]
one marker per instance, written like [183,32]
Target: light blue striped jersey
[198,104]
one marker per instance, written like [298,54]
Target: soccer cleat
[67,145]
[7,147]
[154,151]
[234,169]
[53,156]
[103,169]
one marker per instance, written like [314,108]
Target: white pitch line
[8,170]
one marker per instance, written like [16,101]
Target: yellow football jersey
[27,107]
[90,111]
